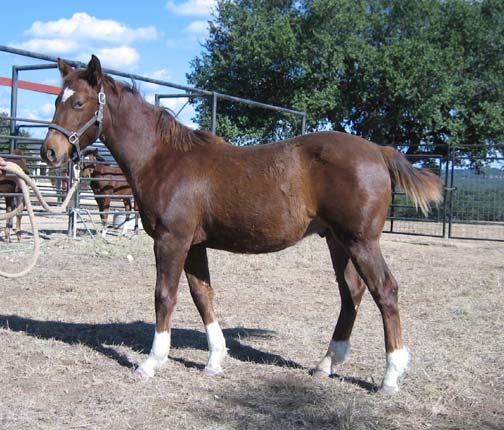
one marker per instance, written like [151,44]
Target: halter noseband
[74,136]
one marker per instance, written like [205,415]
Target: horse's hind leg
[198,277]
[351,289]
[368,259]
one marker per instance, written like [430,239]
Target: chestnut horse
[107,180]
[196,192]
[9,185]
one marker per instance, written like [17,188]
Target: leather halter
[74,136]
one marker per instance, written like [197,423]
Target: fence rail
[472,208]
[473,204]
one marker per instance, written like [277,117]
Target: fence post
[73,212]
[214,112]
[450,189]
[13,109]
[303,124]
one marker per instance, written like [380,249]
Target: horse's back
[268,197]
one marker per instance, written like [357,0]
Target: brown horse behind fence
[107,180]
[9,185]
[196,192]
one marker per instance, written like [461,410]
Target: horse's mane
[181,137]
[168,129]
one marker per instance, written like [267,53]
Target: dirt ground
[72,331]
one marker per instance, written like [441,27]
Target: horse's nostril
[51,155]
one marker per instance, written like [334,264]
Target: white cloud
[115,57]
[82,26]
[185,113]
[83,35]
[176,106]
[197,29]
[59,46]
[162,75]
[192,7]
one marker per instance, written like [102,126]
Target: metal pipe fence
[54,183]
[472,208]
[473,204]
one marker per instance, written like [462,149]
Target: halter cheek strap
[74,136]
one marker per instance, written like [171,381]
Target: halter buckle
[73,138]
[101,98]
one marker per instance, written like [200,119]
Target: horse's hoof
[319,374]
[389,390]
[142,374]
[208,371]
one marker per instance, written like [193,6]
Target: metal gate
[473,204]
[476,194]
[404,218]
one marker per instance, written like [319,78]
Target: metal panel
[477,196]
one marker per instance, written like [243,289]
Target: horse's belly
[245,245]
[269,219]
[255,238]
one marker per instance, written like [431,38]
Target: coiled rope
[24,181]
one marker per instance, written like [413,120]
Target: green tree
[5,133]
[404,72]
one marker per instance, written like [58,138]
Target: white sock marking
[397,364]
[158,354]
[67,93]
[216,346]
[337,353]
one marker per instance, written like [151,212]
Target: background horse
[106,181]
[9,185]
[194,191]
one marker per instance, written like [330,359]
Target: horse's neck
[129,133]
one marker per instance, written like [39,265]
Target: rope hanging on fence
[24,180]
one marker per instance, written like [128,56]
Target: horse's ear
[94,71]
[64,68]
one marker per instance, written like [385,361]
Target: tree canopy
[5,133]
[403,72]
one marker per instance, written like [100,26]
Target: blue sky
[151,38]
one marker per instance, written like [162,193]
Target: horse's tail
[421,186]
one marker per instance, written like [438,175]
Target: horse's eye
[77,104]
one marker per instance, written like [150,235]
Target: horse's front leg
[170,251]
[198,277]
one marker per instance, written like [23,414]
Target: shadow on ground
[138,336]
[279,403]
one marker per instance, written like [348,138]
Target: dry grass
[73,329]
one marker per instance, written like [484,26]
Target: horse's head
[79,113]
